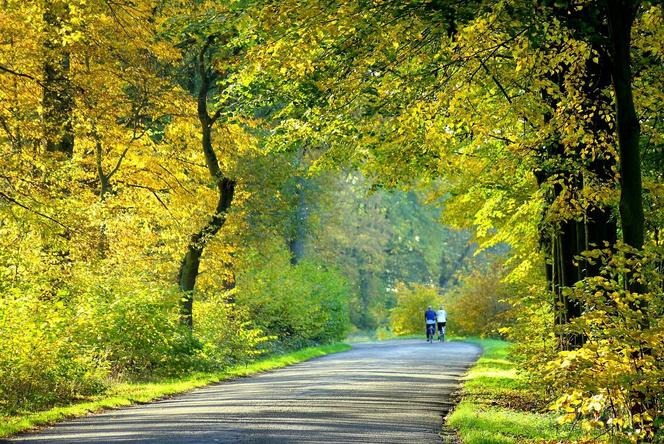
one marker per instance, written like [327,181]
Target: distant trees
[407,316]
[381,239]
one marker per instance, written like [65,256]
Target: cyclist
[430,321]
[441,321]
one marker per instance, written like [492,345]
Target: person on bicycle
[430,321]
[441,321]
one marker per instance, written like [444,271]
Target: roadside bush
[407,317]
[40,361]
[226,332]
[477,307]
[135,325]
[63,346]
[65,339]
[300,304]
[613,384]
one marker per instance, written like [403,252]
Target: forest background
[187,185]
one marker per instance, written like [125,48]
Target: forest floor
[394,391]
[125,394]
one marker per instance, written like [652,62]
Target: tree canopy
[188,184]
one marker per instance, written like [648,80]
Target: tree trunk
[620,14]
[57,99]
[566,247]
[567,239]
[298,240]
[192,258]
[226,188]
[365,319]
[448,277]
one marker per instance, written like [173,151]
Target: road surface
[390,392]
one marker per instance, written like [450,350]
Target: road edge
[128,394]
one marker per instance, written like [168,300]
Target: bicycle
[441,334]
[431,331]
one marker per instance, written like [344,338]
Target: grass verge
[498,407]
[125,394]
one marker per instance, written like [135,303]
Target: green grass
[497,406]
[124,394]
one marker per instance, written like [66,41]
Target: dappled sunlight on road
[397,391]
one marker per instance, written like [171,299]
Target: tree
[435,88]
[58,96]
[621,15]
[190,264]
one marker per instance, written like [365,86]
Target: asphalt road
[391,392]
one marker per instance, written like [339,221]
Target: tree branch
[119,162]
[497,82]
[205,84]
[20,74]
[38,213]
[216,115]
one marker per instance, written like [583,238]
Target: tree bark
[192,258]
[190,263]
[57,98]
[364,278]
[567,239]
[448,277]
[620,15]
[298,240]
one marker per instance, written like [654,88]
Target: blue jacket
[429,315]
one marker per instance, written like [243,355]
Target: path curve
[389,392]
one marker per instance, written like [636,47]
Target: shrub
[407,317]
[41,363]
[477,307]
[614,382]
[60,347]
[227,334]
[299,304]
[135,325]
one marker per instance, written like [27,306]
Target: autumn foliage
[188,184]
